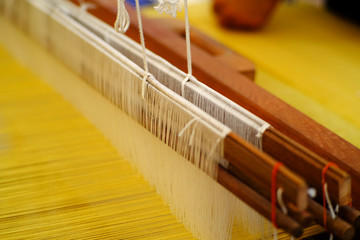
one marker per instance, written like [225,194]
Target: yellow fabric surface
[305,56]
[60,177]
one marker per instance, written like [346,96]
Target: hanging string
[273,192]
[326,198]
[187,36]
[142,40]
[195,120]
[188,48]
[170,7]
[280,200]
[122,21]
[186,79]
[325,193]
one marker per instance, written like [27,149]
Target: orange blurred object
[244,14]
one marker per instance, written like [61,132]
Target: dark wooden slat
[257,202]
[340,228]
[257,167]
[308,165]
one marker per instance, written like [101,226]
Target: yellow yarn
[59,176]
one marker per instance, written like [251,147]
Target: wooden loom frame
[289,124]
[283,138]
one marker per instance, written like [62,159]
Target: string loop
[186,79]
[122,21]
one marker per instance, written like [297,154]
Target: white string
[84,6]
[191,140]
[187,33]
[331,209]
[170,7]
[142,39]
[186,79]
[281,201]
[187,126]
[122,21]
[144,81]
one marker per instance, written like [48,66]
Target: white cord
[84,6]
[122,21]
[331,209]
[142,39]
[186,79]
[195,121]
[281,201]
[187,33]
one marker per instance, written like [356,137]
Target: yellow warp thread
[59,177]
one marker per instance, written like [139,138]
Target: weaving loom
[102,120]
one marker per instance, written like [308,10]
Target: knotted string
[171,7]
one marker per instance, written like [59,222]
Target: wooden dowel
[256,167]
[257,202]
[351,215]
[308,165]
[305,218]
[340,228]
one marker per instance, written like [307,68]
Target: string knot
[186,79]
[145,79]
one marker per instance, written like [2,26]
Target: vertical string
[324,188]
[142,39]
[188,49]
[187,36]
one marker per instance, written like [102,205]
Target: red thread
[273,192]
[323,188]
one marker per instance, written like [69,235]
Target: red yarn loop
[273,192]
